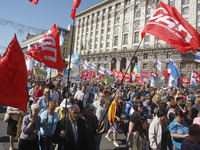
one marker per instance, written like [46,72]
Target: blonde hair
[100,94]
[155,98]
[197,100]
[46,90]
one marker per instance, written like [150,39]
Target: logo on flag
[185,80]
[168,25]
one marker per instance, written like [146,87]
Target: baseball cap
[89,106]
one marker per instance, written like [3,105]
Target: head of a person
[89,110]
[161,114]
[101,98]
[106,92]
[179,115]
[171,98]
[194,130]
[51,87]
[173,104]
[156,99]
[42,86]
[119,94]
[35,109]
[197,101]
[135,97]
[74,112]
[147,100]
[144,123]
[46,92]
[52,106]
[163,105]
[137,106]
[83,89]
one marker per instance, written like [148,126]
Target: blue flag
[197,57]
[173,70]
[61,38]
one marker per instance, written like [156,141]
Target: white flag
[85,65]
[159,65]
[29,61]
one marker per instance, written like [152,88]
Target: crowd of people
[75,116]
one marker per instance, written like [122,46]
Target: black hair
[161,113]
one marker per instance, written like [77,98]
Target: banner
[39,72]
[51,72]
[155,82]
[120,76]
[74,76]
[110,80]
[140,81]
[144,74]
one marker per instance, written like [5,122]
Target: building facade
[111,33]
[31,39]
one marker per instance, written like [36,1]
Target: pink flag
[144,74]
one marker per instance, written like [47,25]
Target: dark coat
[68,143]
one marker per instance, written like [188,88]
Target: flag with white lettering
[185,80]
[168,25]
[47,49]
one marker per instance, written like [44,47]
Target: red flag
[47,49]
[76,4]
[195,74]
[165,73]
[13,77]
[185,80]
[168,25]
[34,1]
[198,78]
[120,76]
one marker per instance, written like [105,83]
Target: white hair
[74,107]
[35,106]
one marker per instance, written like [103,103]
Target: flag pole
[133,58]
[68,86]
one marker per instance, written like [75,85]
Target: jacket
[155,133]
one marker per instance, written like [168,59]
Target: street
[105,144]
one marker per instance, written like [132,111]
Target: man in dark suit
[70,132]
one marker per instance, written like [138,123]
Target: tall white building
[111,32]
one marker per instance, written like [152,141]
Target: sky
[41,16]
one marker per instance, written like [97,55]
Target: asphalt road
[105,144]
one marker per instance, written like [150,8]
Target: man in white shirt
[81,96]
